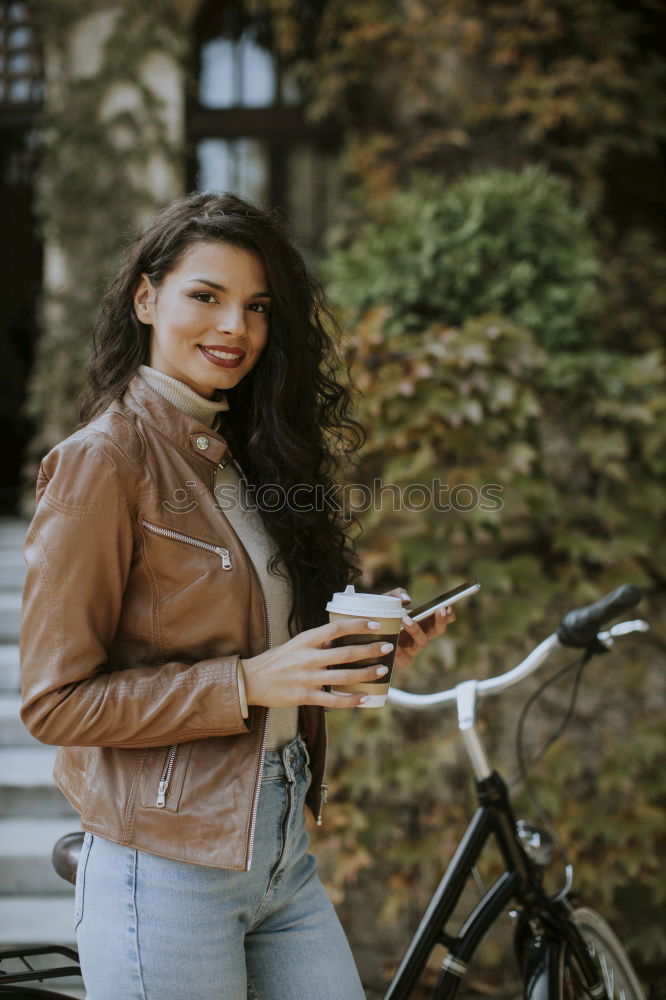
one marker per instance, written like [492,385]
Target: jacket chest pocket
[180,562]
[179,536]
[164,774]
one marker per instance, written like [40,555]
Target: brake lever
[621,628]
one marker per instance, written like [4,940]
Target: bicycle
[563,951]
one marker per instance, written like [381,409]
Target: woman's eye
[209,297]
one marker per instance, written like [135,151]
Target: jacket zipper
[323,788]
[264,733]
[255,800]
[323,797]
[165,777]
[168,533]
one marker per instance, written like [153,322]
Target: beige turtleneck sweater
[247,523]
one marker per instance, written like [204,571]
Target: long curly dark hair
[289,420]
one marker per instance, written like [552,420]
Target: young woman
[174,643]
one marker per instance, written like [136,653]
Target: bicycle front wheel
[615,968]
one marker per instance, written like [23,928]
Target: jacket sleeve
[78,551]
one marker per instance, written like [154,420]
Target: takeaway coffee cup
[388,611]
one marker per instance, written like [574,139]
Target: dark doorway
[21,272]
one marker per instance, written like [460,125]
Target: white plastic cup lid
[348,602]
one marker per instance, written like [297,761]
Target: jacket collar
[185,431]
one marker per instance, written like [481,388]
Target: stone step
[10,615]
[35,920]
[9,666]
[12,731]
[12,570]
[25,855]
[27,787]
[12,532]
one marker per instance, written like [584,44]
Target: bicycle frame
[492,818]
[519,883]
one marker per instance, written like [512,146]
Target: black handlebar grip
[579,627]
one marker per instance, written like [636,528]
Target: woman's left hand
[415,636]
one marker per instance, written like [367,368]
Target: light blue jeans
[149,928]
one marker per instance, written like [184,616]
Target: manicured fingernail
[380,671]
[407,620]
[374,625]
[386,647]
[364,700]
[406,596]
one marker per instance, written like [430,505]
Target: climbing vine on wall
[104,126]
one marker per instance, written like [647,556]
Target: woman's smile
[223,356]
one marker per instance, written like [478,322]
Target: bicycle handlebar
[585,618]
[579,628]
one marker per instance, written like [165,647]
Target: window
[238,73]
[21,72]
[247,129]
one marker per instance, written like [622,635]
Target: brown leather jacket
[139,599]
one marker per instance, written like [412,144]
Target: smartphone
[444,600]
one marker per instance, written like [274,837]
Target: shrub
[498,241]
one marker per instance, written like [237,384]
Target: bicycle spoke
[609,976]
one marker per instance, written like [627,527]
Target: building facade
[107,112]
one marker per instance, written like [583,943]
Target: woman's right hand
[295,672]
